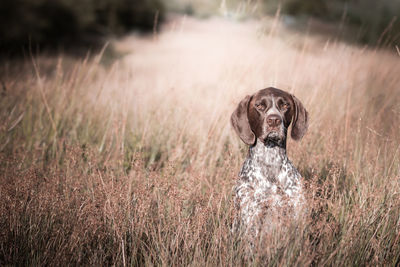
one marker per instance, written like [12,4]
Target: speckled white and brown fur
[269,189]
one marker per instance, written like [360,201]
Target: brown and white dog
[269,188]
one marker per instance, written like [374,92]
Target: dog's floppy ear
[240,122]
[300,120]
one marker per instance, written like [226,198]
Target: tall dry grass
[133,164]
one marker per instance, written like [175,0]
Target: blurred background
[115,141]
[66,23]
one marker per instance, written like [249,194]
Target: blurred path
[190,51]
[194,50]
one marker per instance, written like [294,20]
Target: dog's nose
[274,120]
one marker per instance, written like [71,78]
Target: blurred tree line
[376,22]
[26,23]
[53,22]
[372,22]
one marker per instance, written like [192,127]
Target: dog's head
[266,116]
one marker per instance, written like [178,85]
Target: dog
[269,189]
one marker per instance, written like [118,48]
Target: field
[127,157]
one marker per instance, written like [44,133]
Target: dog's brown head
[266,116]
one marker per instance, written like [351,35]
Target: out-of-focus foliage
[309,7]
[375,22]
[379,21]
[51,22]
[198,8]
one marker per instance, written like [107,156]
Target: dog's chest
[268,176]
[267,166]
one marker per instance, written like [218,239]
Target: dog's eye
[260,106]
[285,106]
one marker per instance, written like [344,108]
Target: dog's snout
[274,121]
